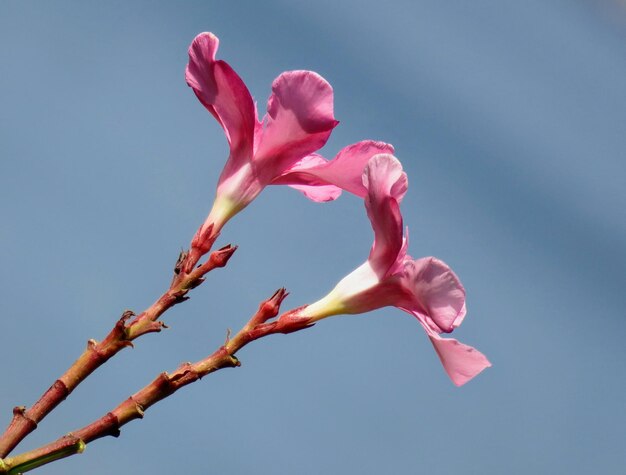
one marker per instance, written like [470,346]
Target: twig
[164,385]
[128,328]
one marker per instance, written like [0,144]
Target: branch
[164,385]
[128,328]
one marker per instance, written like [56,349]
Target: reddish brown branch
[164,385]
[128,328]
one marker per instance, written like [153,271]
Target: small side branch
[128,328]
[163,386]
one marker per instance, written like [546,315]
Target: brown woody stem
[164,385]
[128,328]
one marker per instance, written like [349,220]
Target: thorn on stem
[180,296]
[156,326]
[128,314]
[120,326]
[19,412]
[182,257]
[196,282]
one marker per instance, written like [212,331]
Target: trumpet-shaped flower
[426,288]
[277,150]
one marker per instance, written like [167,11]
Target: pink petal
[461,362]
[383,176]
[386,184]
[344,171]
[299,122]
[224,94]
[312,189]
[437,293]
[319,194]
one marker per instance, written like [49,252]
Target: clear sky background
[510,119]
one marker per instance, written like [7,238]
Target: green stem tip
[67,447]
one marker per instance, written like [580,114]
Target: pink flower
[277,150]
[426,288]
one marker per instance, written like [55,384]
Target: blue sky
[509,118]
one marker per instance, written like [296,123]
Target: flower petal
[461,362]
[299,122]
[386,184]
[344,171]
[224,94]
[437,293]
[314,190]
[319,194]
